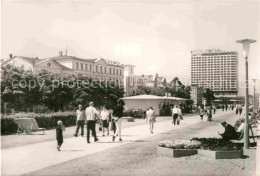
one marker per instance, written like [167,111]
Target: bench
[252,136]
[27,126]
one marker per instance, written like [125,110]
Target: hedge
[44,120]
[134,114]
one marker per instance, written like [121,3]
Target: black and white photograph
[130,87]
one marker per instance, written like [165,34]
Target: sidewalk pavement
[10,141]
[21,160]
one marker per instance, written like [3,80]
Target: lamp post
[254,81]
[246,43]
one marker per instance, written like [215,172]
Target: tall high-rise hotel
[217,70]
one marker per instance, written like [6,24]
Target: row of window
[98,69]
[214,57]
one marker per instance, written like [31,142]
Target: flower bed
[44,120]
[180,144]
[218,149]
[177,148]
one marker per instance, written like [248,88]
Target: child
[59,135]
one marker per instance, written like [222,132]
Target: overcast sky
[155,36]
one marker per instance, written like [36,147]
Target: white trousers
[118,127]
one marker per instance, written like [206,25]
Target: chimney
[10,56]
[60,53]
[36,58]
[66,53]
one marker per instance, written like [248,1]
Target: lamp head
[254,81]
[246,43]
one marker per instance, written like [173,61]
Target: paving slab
[29,158]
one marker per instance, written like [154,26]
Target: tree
[101,93]
[19,88]
[209,96]
[56,93]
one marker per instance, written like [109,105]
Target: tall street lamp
[254,81]
[246,43]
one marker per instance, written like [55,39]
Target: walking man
[237,108]
[91,115]
[240,109]
[117,115]
[175,112]
[81,117]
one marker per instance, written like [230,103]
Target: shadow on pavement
[244,157]
[72,150]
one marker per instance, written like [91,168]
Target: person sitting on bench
[229,133]
[240,129]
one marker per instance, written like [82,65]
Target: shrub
[44,120]
[132,113]
[216,144]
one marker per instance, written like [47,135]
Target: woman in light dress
[150,117]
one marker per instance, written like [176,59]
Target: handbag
[181,117]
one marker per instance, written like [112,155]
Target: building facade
[67,66]
[132,81]
[129,78]
[217,70]
[196,94]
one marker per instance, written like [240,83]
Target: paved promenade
[29,158]
[258,153]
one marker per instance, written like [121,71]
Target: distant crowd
[111,119]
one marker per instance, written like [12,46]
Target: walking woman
[105,120]
[201,113]
[209,113]
[214,108]
[179,115]
[150,116]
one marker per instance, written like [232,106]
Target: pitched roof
[28,59]
[71,57]
[52,60]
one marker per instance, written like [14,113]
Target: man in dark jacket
[229,133]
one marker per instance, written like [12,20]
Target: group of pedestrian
[176,115]
[228,107]
[239,109]
[89,117]
[207,110]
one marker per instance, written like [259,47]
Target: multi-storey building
[67,66]
[196,94]
[132,81]
[217,70]
[129,78]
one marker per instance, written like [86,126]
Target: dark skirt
[105,123]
